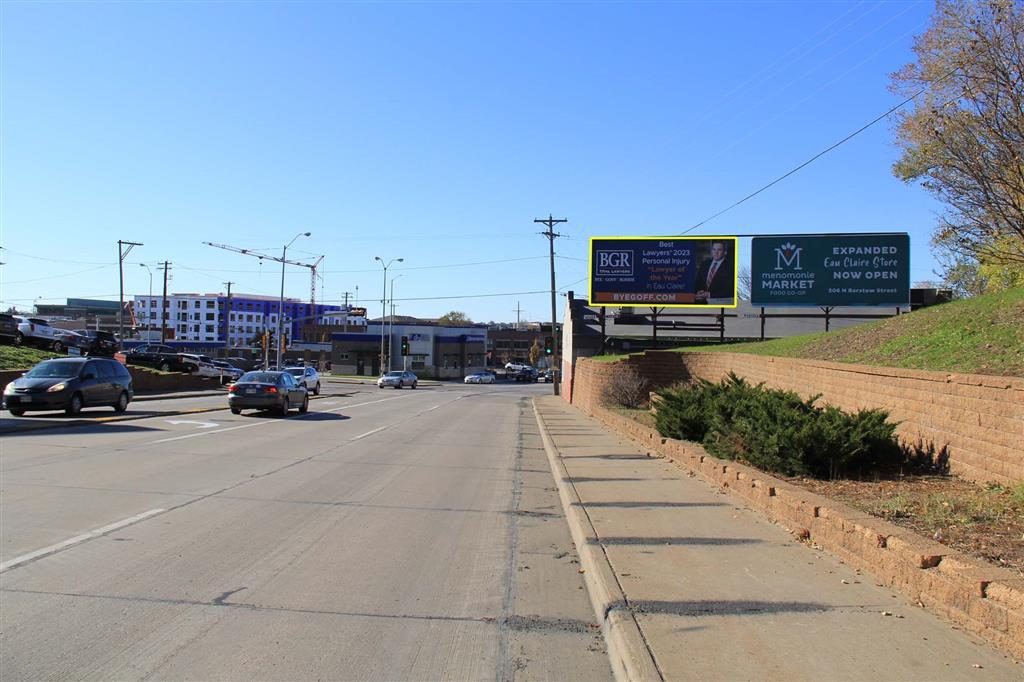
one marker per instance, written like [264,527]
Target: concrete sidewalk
[692,586]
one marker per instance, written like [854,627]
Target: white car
[35,331]
[515,366]
[397,380]
[230,372]
[479,378]
[306,376]
[200,364]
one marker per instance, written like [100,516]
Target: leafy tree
[964,138]
[534,353]
[454,319]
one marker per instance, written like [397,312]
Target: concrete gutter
[631,657]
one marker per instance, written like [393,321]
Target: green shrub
[778,431]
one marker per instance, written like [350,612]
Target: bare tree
[743,283]
[964,138]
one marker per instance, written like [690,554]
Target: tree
[454,319]
[535,352]
[964,138]
[743,282]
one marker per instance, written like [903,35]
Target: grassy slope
[983,335]
[22,358]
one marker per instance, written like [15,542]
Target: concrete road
[384,535]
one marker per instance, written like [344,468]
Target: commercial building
[513,345]
[201,317]
[435,351]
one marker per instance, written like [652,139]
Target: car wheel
[75,406]
[122,402]
[398,385]
[236,410]
[19,339]
[16,411]
[57,347]
[414,385]
[285,407]
[165,367]
[316,391]
[305,405]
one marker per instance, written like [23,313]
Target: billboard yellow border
[706,306]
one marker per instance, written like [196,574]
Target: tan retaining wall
[978,418]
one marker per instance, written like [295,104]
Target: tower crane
[277,259]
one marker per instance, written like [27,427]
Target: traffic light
[405,346]
[549,345]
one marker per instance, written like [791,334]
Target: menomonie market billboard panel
[672,272]
[830,270]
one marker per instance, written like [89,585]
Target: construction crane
[277,259]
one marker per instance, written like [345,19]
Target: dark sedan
[275,391]
[99,343]
[70,384]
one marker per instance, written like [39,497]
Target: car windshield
[258,378]
[295,371]
[55,369]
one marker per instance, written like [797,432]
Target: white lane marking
[332,402]
[263,423]
[77,539]
[202,425]
[369,433]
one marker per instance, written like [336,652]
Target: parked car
[397,379]
[9,330]
[515,366]
[306,376]
[70,384]
[528,374]
[95,342]
[163,358]
[479,378]
[199,364]
[547,376]
[228,371]
[244,364]
[267,391]
[35,331]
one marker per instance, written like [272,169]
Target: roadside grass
[981,335]
[12,357]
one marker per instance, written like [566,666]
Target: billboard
[830,270]
[673,272]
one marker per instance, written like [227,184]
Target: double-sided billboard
[830,270]
[679,272]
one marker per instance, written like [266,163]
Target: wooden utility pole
[551,234]
[121,254]
[163,303]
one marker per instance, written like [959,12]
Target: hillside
[12,357]
[982,335]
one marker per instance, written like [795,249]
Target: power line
[819,154]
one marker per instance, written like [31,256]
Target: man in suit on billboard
[715,279]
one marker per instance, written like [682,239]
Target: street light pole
[384,305]
[280,300]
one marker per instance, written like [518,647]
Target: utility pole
[551,234]
[345,295]
[519,310]
[163,304]
[121,253]
[227,316]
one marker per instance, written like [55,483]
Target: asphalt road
[384,535]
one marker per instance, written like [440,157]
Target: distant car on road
[199,364]
[70,384]
[515,366]
[528,374]
[306,376]
[547,376]
[479,378]
[163,358]
[244,364]
[398,379]
[267,391]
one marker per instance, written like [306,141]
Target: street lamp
[149,303]
[384,303]
[280,300]
[391,322]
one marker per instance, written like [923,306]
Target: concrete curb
[630,657]
[23,428]
[986,600]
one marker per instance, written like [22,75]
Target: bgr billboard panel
[674,272]
[830,270]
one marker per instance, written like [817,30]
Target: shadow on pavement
[48,427]
[597,479]
[649,505]
[723,607]
[673,541]
[323,417]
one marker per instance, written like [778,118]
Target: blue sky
[435,132]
